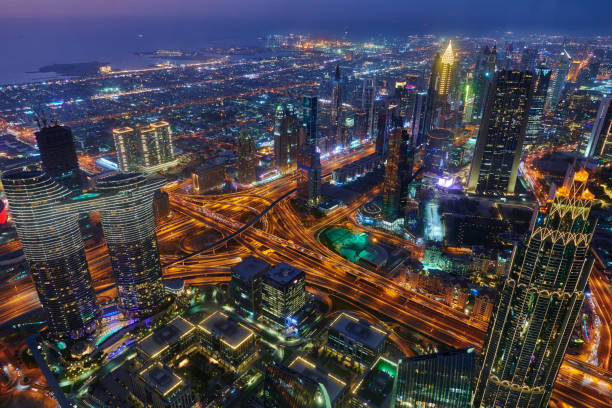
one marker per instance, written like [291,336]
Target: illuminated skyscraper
[286,138]
[337,120]
[247,158]
[539,303]
[528,59]
[600,143]
[500,139]
[437,150]
[126,209]
[368,95]
[146,149]
[52,244]
[58,156]
[283,296]
[397,173]
[309,159]
[558,80]
[483,77]
[419,119]
[441,83]
[440,380]
[540,89]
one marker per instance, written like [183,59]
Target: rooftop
[249,268]
[161,378]
[359,330]
[377,383]
[163,337]
[230,332]
[283,273]
[333,384]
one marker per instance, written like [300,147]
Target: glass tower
[309,159]
[52,244]
[286,138]
[539,303]
[540,89]
[397,173]
[500,139]
[336,108]
[246,158]
[126,210]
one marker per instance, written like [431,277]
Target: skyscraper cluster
[146,148]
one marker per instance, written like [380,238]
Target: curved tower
[539,304]
[127,217]
[54,251]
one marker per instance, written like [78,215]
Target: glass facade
[246,158]
[144,149]
[397,174]
[539,303]
[286,138]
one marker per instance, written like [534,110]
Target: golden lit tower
[447,64]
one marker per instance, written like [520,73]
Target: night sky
[360,15]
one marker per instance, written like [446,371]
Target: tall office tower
[540,89]
[368,99]
[309,159]
[286,138]
[483,77]
[441,83]
[247,158]
[245,286]
[419,120]
[283,295]
[382,132]
[600,143]
[337,120]
[397,173]
[558,80]
[437,150]
[147,148]
[407,95]
[53,248]
[528,59]
[441,380]
[126,210]
[500,140]
[58,156]
[507,63]
[539,303]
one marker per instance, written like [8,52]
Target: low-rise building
[375,387]
[168,341]
[158,386]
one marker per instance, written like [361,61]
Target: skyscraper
[539,303]
[148,148]
[500,139]
[286,138]
[368,96]
[58,156]
[397,173]
[558,80]
[246,158]
[540,89]
[126,209]
[441,83]
[528,59]
[600,143]
[437,150]
[483,77]
[419,119]
[440,380]
[52,244]
[337,120]
[309,159]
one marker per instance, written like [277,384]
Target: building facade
[147,148]
[397,174]
[502,131]
[600,143]
[539,303]
[309,159]
[536,112]
[286,138]
[247,158]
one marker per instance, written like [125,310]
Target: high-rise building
[58,156]
[419,122]
[528,59]
[441,84]
[558,80]
[397,173]
[52,244]
[337,117]
[309,159]
[437,150]
[126,209]
[245,286]
[600,143]
[368,100]
[246,158]
[539,303]
[483,77]
[283,296]
[440,380]
[540,89]
[500,139]
[148,148]
[286,138]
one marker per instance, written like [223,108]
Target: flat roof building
[245,286]
[375,387]
[167,339]
[356,339]
[158,386]
[334,386]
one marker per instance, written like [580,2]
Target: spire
[337,76]
[448,57]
